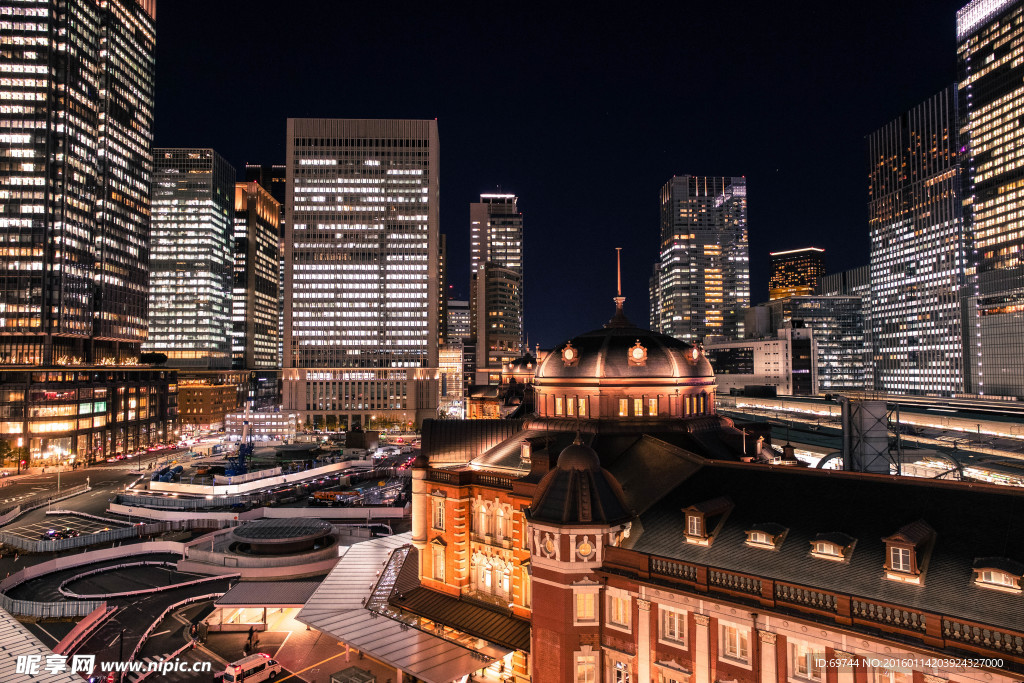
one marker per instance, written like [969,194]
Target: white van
[257,667]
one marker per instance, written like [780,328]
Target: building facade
[855,282]
[991,102]
[918,255]
[782,365]
[361,271]
[703,274]
[452,386]
[458,320]
[496,283]
[796,272]
[254,298]
[192,258]
[273,178]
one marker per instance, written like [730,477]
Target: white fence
[220,479]
[122,533]
[50,610]
[39,501]
[163,615]
[110,567]
[200,489]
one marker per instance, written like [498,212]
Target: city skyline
[764,110]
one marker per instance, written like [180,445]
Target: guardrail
[235,561]
[147,591]
[163,615]
[40,500]
[50,610]
[161,502]
[110,567]
[76,513]
[83,629]
[135,531]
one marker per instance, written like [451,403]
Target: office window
[673,625]
[619,610]
[734,642]
[586,606]
[805,662]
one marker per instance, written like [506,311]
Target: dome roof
[523,365]
[579,491]
[620,349]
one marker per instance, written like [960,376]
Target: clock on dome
[638,354]
[570,356]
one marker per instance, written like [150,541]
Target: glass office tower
[255,296]
[991,105]
[496,283]
[796,272]
[703,277]
[361,271]
[192,258]
[918,257]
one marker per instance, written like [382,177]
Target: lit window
[585,607]
[638,407]
[619,610]
[673,626]
[734,642]
[997,578]
[438,561]
[582,407]
[623,407]
[652,406]
[586,668]
[805,662]
[759,538]
[570,404]
[558,405]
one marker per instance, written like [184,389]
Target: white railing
[163,615]
[146,591]
[111,567]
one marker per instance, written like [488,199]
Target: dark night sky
[583,114]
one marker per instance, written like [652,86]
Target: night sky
[583,114]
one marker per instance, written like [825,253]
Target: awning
[337,608]
[262,594]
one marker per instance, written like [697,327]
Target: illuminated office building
[703,275]
[796,272]
[496,283]
[255,296]
[918,256]
[75,173]
[361,271]
[273,178]
[458,319]
[192,258]
[75,165]
[991,105]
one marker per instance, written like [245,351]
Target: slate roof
[970,521]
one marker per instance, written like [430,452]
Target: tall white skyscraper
[496,287]
[702,280]
[361,271]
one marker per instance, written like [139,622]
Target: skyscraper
[75,166]
[703,276]
[991,104]
[795,272]
[918,258]
[255,297]
[496,283]
[192,258]
[74,189]
[273,178]
[361,271]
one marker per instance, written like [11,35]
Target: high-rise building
[703,275]
[273,178]
[255,295]
[991,104]
[918,258]
[76,130]
[855,282]
[192,258]
[496,287]
[361,271]
[458,320]
[75,166]
[795,272]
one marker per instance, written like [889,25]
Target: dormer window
[907,551]
[768,536]
[835,546]
[703,520]
[999,573]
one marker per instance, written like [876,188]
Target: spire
[619,319]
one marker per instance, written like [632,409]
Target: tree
[153,358]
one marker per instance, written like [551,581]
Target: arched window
[482,528]
[438,562]
[501,524]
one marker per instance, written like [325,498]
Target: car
[111,459]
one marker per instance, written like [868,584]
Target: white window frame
[731,638]
[586,664]
[801,661]
[438,567]
[619,671]
[667,616]
[694,525]
[583,599]
[619,600]
[900,559]
[437,513]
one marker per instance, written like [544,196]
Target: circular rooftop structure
[283,536]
